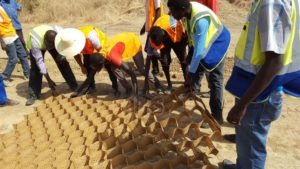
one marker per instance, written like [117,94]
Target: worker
[210,39]
[267,60]
[40,40]
[12,8]
[94,40]
[166,34]
[11,43]
[117,51]
[154,9]
[4,101]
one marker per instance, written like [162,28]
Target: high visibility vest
[215,29]
[200,11]
[6,27]
[249,57]
[164,22]
[152,13]
[89,48]
[38,34]
[132,45]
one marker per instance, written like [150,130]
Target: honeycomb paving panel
[85,133]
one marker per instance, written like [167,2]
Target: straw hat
[69,42]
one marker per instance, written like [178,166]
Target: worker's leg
[252,133]
[22,55]
[180,51]
[154,56]
[165,60]
[11,52]
[35,81]
[21,36]
[216,78]
[86,63]
[112,78]
[121,76]
[65,69]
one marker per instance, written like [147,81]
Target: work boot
[30,101]
[230,137]
[159,88]
[227,164]
[117,93]
[169,90]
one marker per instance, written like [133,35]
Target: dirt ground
[283,143]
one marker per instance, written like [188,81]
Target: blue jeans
[251,134]
[14,51]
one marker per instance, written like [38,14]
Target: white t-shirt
[94,38]
[11,39]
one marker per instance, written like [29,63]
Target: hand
[83,70]
[143,30]
[75,94]
[236,113]
[190,79]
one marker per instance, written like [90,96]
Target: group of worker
[266,61]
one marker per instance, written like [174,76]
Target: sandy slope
[283,143]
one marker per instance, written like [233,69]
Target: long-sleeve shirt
[199,38]
[12,8]
[94,38]
[37,54]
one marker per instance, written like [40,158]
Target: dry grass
[103,11]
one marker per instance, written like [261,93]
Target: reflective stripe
[251,59]
[37,36]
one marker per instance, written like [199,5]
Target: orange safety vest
[89,48]
[164,22]
[6,27]
[121,47]
[152,13]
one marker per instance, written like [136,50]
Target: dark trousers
[165,57]
[112,77]
[139,63]
[35,79]
[21,36]
[215,81]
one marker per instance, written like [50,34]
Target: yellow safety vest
[130,40]
[248,49]
[164,22]
[152,13]
[215,28]
[6,27]
[89,48]
[249,57]
[38,34]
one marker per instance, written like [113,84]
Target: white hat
[69,42]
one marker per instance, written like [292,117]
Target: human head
[49,39]
[157,36]
[179,8]
[97,61]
